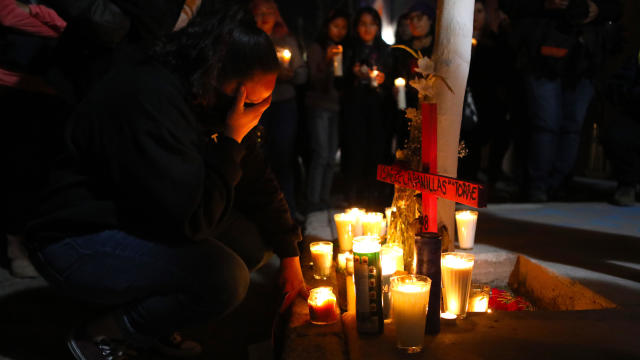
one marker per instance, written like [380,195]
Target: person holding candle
[366,140]
[280,121]
[162,203]
[323,107]
[421,18]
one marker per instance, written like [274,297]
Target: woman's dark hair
[323,37]
[377,42]
[218,45]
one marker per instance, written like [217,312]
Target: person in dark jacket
[162,203]
[560,49]
[323,105]
[366,136]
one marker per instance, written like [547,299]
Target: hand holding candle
[376,77]
[400,84]
[284,56]
[337,60]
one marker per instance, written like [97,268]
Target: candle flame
[448,316]
[366,244]
[457,261]
[286,54]
[399,82]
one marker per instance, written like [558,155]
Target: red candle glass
[323,307]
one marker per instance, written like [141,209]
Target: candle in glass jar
[337,62]
[344,226]
[466,221]
[322,256]
[391,260]
[479,298]
[400,84]
[323,307]
[367,280]
[456,281]
[372,223]
[284,56]
[410,299]
[357,220]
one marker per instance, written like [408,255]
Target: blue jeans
[280,123]
[158,288]
[557,112]
[323,134]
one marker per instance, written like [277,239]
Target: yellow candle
[322,255]
[456,281]
[466,221]
[372,223]
[391,258]
[323,307]
[345,227]
[479,298]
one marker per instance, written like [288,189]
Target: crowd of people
[153,156]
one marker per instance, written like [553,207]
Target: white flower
[425,66]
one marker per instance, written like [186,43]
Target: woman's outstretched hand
[241,120]
[292,281]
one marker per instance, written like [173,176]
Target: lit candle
[391,260]
[337,62]
[344,227]
[466,221]
[357,220]
[410,294]
[342,260]
[402,95]
[479,298]
[456,281]
[367,279]
[372,223]
[351,287]
[374,77]
[323,307]
[322,255]
[284,55]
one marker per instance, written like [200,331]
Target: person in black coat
[560,47]
[162,203]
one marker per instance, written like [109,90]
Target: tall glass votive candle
[456,281]
[391,260]
[410,300]
[322,256]
[345,227]
[323,307]
[372,223]
[466,221]
[367,279]
[357,220]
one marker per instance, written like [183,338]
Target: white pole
[452,54]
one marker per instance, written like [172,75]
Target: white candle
[456,281]
[372,223]
[322,255]
[410,300]
[342,260]
[337,62]
[345,226]
[374,77]
[400,84]
[466,221]
[357,220]
[391,260]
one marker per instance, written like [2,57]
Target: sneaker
[624,196]
[83,347]
[177,346]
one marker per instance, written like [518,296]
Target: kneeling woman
[162,203]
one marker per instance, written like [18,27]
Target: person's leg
[331,150]
[622,147]
[319,143]
[574,109]
[280,122]
[545,105]
[158,289]
[243,237]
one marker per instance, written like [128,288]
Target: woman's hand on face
[292,281]
[241,120]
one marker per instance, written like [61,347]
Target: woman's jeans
[323,134]
[557,111]
[159,289]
